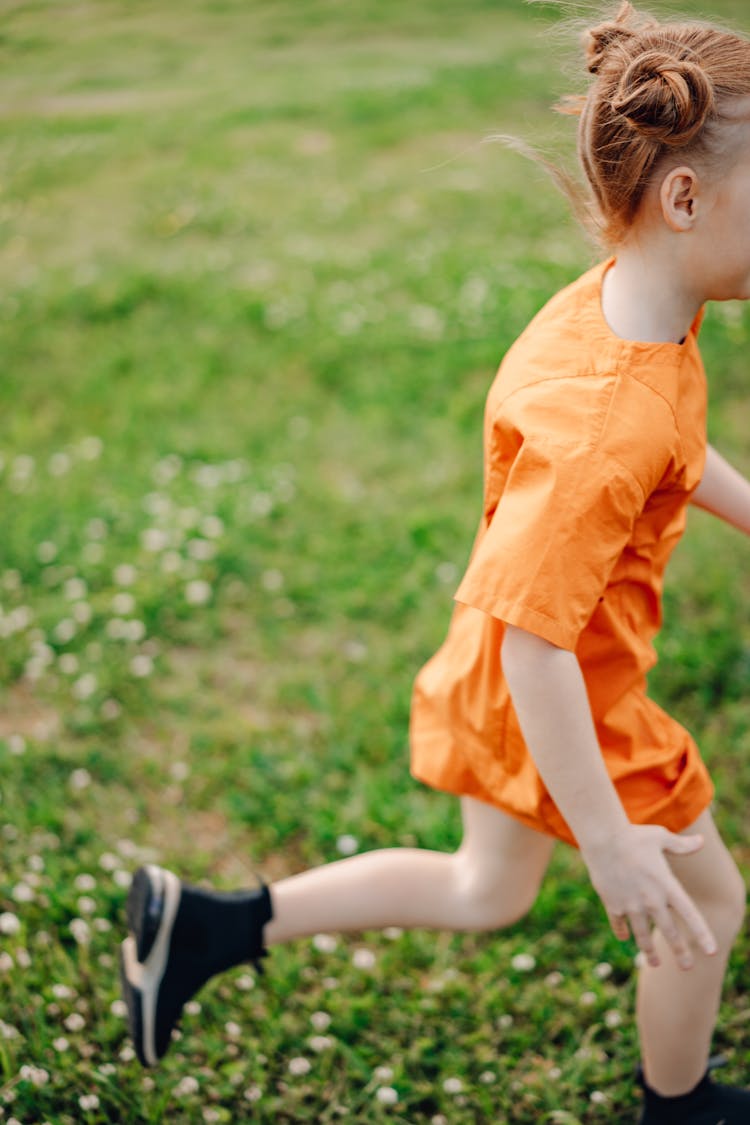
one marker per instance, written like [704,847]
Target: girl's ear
[679,197]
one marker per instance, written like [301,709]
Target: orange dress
[592,446]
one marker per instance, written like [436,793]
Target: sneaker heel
[145,907]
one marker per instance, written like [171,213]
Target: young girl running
[534,711]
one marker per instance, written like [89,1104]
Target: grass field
[257,271]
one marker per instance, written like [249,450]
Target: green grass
[256,273]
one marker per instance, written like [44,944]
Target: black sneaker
[181,936]
[707,1104]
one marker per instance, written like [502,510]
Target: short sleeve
[545,554]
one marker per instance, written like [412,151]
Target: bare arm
[724,492]
[626,862]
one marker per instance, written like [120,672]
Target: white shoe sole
[144,978]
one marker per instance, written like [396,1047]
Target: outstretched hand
[639,890]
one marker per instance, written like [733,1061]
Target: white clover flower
[88,1101]
[79,779]
[11,580]
[523,962]
[9,923]
[108,1069]
[61,1043]
[123,603]
[386,1095]
[68,663]
[86,904]
[75,589]
[320,1042]
[553,979]
[193,1007]
[211,1115]
[233,1030]
[65,630]
[245,982]
[23,958]
[253,1094]
[8,1031]
[90,447]
[598,1097]
[603,970]
[84,882]
[186,1086]
[62,992]
[36,1075]
[126,1054]
[108,861]
[6,962]
[197,592]
[96,529]
[427,320]
[85,687]
[554,1073]
[110,710]
[487,1077]
[82,613]
[118,1008]
[154,539]
[80,931]
[321,1021]
[46,551]
[116,629]
[75,1022]
[141,665]
[122,878]
[124,575]
[92,553]
[201,549]
[299,1066]
[171,561]
[612,1018]
[261,504]
[272,580]
[324,943]
[363,959]
[505,1021]
[212,527]
[167,469]
[453,1085]
[347,844]
[22,892]
[586,999]
[23,465]
[383,1073]
[102,926]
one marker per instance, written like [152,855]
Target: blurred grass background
[257,270]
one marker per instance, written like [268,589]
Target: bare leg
[489,882]
[677,1009]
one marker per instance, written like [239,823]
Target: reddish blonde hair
[661,91]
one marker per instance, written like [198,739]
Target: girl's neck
[644,299]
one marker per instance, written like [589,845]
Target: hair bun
[665,98]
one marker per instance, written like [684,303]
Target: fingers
[681,845]
[619,925]
[644,938]
[698,927]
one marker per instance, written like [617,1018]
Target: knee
[490,899]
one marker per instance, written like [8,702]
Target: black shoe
[707,1104]
[180,937]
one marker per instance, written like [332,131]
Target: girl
[534,711]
